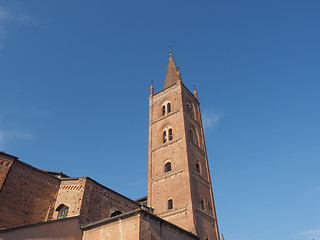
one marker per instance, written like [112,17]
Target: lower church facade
[38,204]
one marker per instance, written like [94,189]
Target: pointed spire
[173,75]
[222,237]
[195,92]
[151,89]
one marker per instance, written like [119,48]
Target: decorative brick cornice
[168,175]
[200,178]
[166,144]
[205,215]
[172,212]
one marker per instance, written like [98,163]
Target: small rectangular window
[170,134]
[170,204]
[164,137]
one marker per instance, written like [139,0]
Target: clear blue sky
[74,86]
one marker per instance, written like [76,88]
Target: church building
[38,204]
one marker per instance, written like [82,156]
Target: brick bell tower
[179,183]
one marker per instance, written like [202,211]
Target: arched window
[202,204]
[197,167]
[163,110]
[164,136]
[170,204]
[62,211]
[115,213]
[170,134]
[167,167]
[168,107]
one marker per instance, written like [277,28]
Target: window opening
[115,213]
[168,107]
[167,167]
[170,134]
[170,204]
[197,167]
[164,136]
[202,204]
[62,211]
[163,110]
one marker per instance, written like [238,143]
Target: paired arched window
[166,108]
[170,204]
[115,213]
[167,167]
[62,211]
[167,135]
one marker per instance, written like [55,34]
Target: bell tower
[179,183]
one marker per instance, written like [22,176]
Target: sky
[74,87]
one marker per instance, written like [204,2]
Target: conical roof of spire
[173,74]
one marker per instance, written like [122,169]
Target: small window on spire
[168,107]
[167,167]
[163,110]
[170,204]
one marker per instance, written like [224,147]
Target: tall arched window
[170,204]
[167,167]
[163,110]
[62,211]
[168,107]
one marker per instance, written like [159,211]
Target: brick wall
[27,196]
[100,202]
[6,162]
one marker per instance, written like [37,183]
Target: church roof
[173,75]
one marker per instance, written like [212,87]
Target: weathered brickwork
[101,202]
[6,162]
[70,194]
[29,194]
[117,229]
[152,228]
